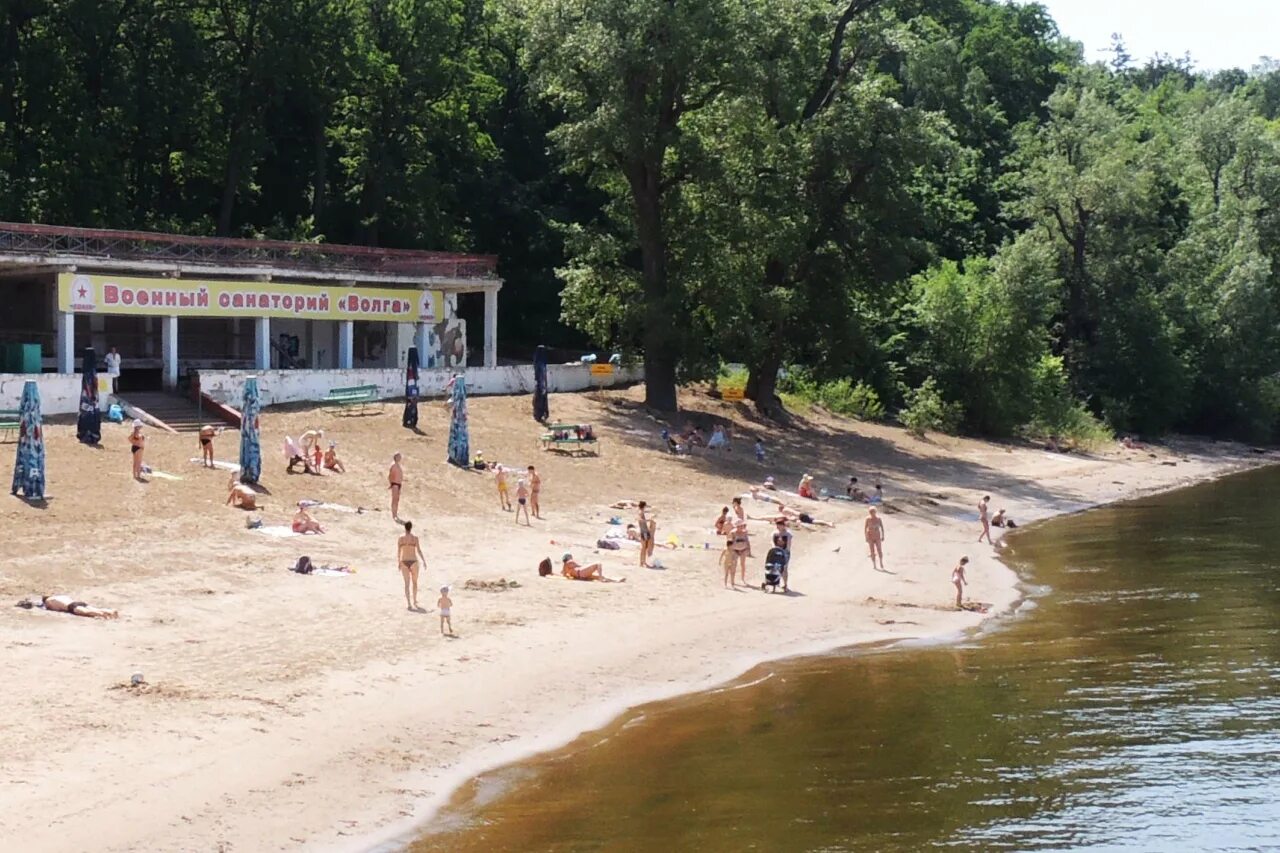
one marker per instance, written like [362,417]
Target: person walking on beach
[395,479]
[985,519]
[410,559]
[535,489]
[137,441]
[874,530]
[958,578]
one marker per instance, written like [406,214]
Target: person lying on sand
[789,514]
[625,503]
[304,523]
[574,570]
[756,493]
[68,604]
[241,496]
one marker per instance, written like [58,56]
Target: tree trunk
[660,351]
[762,383]
[321,182]
[232,182]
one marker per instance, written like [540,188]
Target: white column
[491,327]
[262,343]
[66,342]
[169,351]
[420,341]
[346,344]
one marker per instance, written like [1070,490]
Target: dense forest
[938,209]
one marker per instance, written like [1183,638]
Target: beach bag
[608,545]
[115,414]
[544,568]
[303,566]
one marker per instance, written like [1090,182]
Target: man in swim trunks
[207,433]
[410,559]
[984,520]
[395,480]
[535,489]
[575,571]
[874,530]
[522,501]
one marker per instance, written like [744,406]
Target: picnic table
[570,438]
[10,419]
[356,395]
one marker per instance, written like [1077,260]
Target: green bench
[565,438]
[356,395]
[10,419]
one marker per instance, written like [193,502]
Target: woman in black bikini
[136,442]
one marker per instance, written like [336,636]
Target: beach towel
[28,469]
[250,447]
[541,410]
[220,465]
[277,531]
[310,504]
[89,422]
[459,440]
[410,419]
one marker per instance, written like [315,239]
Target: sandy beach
[282,711]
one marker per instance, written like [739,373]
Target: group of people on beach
[528,490]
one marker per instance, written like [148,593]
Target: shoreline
[315,713]
[395,838]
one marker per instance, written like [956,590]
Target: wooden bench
[564,438]
[356,395]
[10,420]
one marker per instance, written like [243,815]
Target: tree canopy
[938,203]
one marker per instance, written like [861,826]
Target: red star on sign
[83,292]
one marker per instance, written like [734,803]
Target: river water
[1132,702]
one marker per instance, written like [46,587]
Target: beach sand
[282,711]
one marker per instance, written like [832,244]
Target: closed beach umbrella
[459,440]
[411,390]
[89,424]
[541,411]
[250,447]
[28,473]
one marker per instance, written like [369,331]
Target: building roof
[45,247]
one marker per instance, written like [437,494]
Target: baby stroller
[775,563]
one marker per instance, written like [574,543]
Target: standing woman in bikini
[410,559]
[646,534]
[395,480]
[137,441]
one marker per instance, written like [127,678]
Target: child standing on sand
[445,603]
[504,488]
[522,501]
[958,578]
[728,559]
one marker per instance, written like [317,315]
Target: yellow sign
[602,370]
[733,394]
[165,297]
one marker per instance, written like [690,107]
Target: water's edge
[400,834]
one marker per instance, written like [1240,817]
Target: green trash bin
[24,358]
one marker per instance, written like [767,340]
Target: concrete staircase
[177,413]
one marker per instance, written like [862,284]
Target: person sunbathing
[806,489]
[331,460]
[574,570]
[625,503]
[241,496]
[802,517]
[68,604]
[304,523]
[1002,520]
[757,493]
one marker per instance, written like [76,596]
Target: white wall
[291,386]
[59,392]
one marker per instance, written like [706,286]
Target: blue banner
[28,472]
[250,446]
